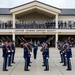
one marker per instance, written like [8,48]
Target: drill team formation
[8,53]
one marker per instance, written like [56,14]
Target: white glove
[30,52]
[8,55]
[61,53]
[70,58]
[47,58]
[8,50]
[12,50]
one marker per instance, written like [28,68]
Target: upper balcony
[47,26]
[38,25]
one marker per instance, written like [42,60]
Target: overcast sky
[56,3]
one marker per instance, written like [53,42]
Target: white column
[56,21]
[56,39]
[13,36]
[13,20]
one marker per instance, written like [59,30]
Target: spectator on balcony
[6,25]
[46,23]
[53,24]
[61,24]
[70,24]
[3,25]
[65,24]
[24,24]
[0,25]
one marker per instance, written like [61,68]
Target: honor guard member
[9,54]
[5,55]
[42,50]
[26,56]
[46,57]
[60,50]
[29,53]
[68,56]
[64,53]
[13,51]
[35,48]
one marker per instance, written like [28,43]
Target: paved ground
[56,68]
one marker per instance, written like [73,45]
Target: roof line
[32,2]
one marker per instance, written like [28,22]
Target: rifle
[49,38]
[26,41]
[8,38]
[19,38]
[26,46]
[48,41]
[3,38]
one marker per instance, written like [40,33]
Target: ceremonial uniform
[46,57]
[43,48]
[13,53]
[68,56]
[29,55]
[5,56]
[60,51]
[35,46]
[26,56]
[64,54]
[9,56]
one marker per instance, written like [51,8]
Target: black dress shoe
[30,62]
[43,65]
[29,65]
[5,70]
[27,70]
[46,70]
[10,65]
[61,62]
[63,65]
[13,62]
[68,69]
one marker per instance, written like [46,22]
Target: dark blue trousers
[28,60]
[26,64]
[35,54]
[46,63]
[69,64]
[64,59]
[4,63]
[61,56]
[9,60]
[12,57]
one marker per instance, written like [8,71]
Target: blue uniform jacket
[35,47]
[4,50]
[13,48]
[46,52]
[26,55]
[68,52]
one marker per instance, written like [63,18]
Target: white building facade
[37,13]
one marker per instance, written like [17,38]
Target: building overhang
[34,6]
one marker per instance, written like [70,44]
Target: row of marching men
[8,50]
[65,51]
